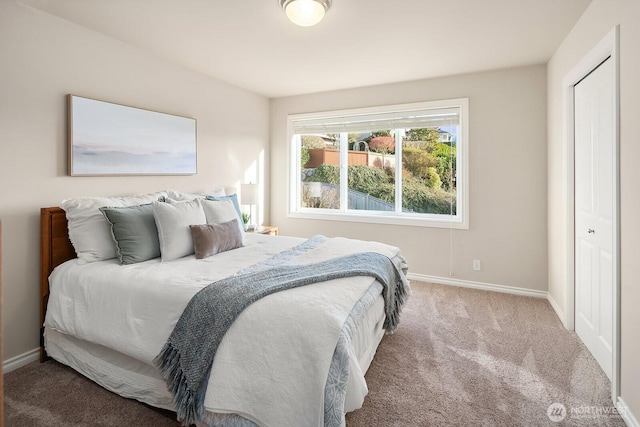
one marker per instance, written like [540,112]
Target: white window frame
[458,221]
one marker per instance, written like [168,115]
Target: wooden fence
[331,156]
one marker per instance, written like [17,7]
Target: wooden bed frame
[55,248]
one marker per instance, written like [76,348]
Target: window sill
[381,218]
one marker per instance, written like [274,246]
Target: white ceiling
[251,44]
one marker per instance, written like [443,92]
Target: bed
[108,322]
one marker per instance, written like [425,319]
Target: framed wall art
[112,139]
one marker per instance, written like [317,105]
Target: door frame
[608,47]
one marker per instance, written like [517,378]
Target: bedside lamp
[249,196]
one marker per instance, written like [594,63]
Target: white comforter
[287,338]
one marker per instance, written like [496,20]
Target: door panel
[594,187]
[585,278]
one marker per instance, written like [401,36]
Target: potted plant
[245,219]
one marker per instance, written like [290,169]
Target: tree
[382,144]
[433,179]
[423,134]
[423,138]
[446,155]
[377,133]
[418,162]
[311,141]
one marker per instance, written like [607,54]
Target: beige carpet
[460,357]
[463,357]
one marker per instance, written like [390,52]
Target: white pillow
[89,230]
[179,196]
[173,221]
[221,211]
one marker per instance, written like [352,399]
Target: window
[400,164]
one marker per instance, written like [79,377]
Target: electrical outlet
[476,265]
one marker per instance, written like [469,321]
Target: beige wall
[43,58]
[507,177]
[597,21]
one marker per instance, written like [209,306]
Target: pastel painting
[112,139]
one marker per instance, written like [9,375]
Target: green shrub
[304,156]
[446,163]
[418,195]
[433,180]
[326,173]
[419,198]
[362,178]
[384,192]
[418,161]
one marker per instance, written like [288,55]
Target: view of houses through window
[376,164]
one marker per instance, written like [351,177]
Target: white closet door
[594,210]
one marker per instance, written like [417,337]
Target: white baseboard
[626,413]
[557,309]
[478,285]
[20,360]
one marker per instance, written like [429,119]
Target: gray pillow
[210,239]
[221,211]
[134,230]
[233,198]
[173,220]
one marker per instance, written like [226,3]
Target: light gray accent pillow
[134,230]
[234,200]
[221,211]
[210,239]
[173,220]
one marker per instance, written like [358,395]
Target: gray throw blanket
[185,360]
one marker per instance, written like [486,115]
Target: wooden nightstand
[265,229]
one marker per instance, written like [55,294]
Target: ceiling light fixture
[305,12]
